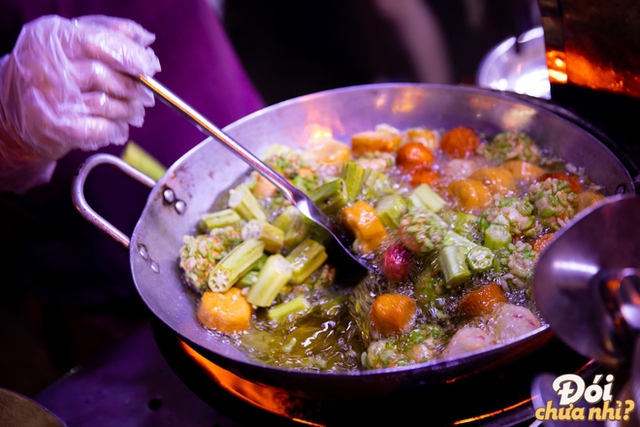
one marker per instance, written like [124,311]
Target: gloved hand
[67,84]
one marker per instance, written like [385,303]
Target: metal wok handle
[80,202]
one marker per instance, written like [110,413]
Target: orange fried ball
[413,155]
[227,312]
[460,142]
[391,314]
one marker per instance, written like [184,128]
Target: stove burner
[497,397]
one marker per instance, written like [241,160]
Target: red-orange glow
[613,285]
[557,66]
[269,398]
[493,414]
[574,67]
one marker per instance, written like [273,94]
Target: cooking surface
[134,385]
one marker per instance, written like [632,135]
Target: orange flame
[269,398]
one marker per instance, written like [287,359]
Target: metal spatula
[296,197]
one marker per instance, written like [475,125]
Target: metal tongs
[296,197]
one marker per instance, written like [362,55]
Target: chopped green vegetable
[496,237]
[425,196]
[274,275]
[453,263]
[465,224]
[248,279]
[512,146]
[480,259]
[223,218]
[198,256]
[390,209]
[513,213]
[422,231]
[140,159]
[293,224]
[331,196]
[305,259]
[452,238]
[353,175]
[260,263]
[554,202]
[281,311]
[375,184]
[242,200]
[236,264]
[272,236]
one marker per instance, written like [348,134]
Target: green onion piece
[480,259]
[273,276]
[272,236]
[281,311]
[353,175]
[453,262]
[496,237]
[248,279]
[242,200]
[331,196]
[305,259]
[293,224]
[236,264]
[223,218]
[390,209]
[425,196]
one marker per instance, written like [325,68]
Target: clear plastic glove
[67,84]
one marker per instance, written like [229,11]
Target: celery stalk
[242,200]
[281,311]
[236,264]
[375,184]
[293,224]
[452,260]
[331,196]
[272,236]
[425,196]
[273,276]
[140,159]
[390,209]
[305,259]
[257,266]
[220,219]
[353,175]
[248,279]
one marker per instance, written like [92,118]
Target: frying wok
[191,184]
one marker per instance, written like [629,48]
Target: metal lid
[587,280]
[517,65]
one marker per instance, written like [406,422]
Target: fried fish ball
[227,312]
